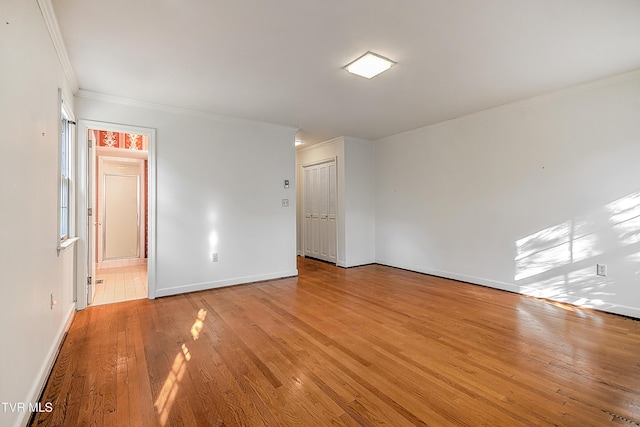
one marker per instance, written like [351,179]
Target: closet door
[311,216]
[332,233]
[324,211]
[320,211]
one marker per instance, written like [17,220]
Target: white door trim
[85,196]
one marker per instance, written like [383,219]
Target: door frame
[334,160]
[86,191]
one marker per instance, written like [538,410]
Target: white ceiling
[280,61]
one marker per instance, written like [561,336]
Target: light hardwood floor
[363,346]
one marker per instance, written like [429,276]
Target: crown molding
[539,99]
[332,141]
[560,93]
[177,110]
[49,15]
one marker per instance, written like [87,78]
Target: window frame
[66,170]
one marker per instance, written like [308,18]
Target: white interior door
[320,211]
[121,216]
[120,208]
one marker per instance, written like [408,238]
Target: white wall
[355,198]
[528,197]
[359,201]
[220,185]
[332,149]
[30,268]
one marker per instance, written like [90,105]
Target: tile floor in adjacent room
[120,284]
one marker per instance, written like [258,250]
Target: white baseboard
[176,290]
[359,263]
[620,309]
[604,306]
[454,276]
[47,366]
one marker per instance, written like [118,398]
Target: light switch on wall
[286,183]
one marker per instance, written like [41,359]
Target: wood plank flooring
[364,346]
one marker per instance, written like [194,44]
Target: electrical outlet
[601,270]
[214,257]
[285,203]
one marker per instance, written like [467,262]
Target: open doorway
[117,255]
[121,216]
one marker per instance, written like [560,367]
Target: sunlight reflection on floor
[169,390]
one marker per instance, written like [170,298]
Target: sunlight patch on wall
[556,246]
[212,217]
[634,260]
[625,217]
[559,262]
[572,287]
[213,241]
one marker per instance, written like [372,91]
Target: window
[66,183]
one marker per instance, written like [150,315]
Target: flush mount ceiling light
[369,65]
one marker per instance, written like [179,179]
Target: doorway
[121,210]
[118,255]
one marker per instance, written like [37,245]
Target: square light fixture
[369,65]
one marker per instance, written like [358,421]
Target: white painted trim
[46,8]
[621,309]
[319,162]
[65,105]
[360,263]
[454,276]
[503,286]
[121,153]
[47,366]
[62,246]
[177,110]
[65,111]
[547,97]
[321,144]
[177,290]
[82,204]
[151,209]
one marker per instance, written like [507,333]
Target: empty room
[251,213]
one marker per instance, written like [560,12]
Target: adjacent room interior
[121,213]
[216,215]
